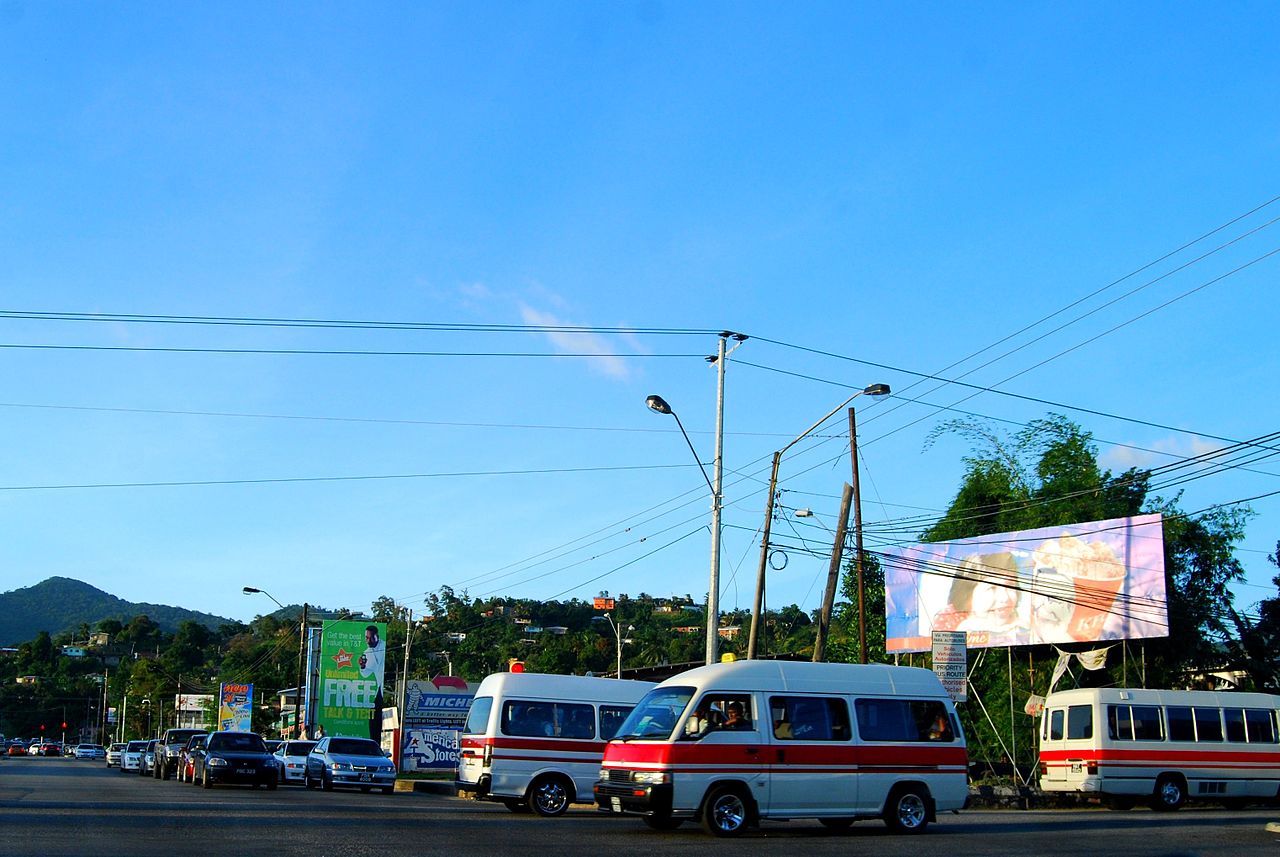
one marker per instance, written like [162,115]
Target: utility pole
[717,495]
[857,539]
[833,577]
[302,659]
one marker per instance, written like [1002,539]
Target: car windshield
[137,746]
[656,714]
[354,747]
[299,748]
[237,742]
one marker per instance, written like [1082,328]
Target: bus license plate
[1077,767]
[616,803]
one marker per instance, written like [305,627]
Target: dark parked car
[236,757]
[356,762]
[187,757]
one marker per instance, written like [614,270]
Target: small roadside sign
[950,663]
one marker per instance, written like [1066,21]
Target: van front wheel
[549,796]
[725,813]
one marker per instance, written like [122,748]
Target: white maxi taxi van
[731,744]
[533,741]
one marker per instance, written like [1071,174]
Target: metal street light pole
[752,640]
[658,404]
[298,731]
[617,633]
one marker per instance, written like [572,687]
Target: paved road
[55,807]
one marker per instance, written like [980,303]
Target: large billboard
[235,707]
[1102,580]
[353,658]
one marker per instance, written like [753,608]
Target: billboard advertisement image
[1097,581]
[235,708]
[353,658]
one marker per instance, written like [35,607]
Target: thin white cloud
[580,343]
[1120,458]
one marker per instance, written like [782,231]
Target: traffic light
[515,666]
[64,724]
[41,727]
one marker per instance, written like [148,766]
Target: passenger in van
[736,719]
[941,729]
[702,721]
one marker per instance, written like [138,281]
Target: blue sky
[867,191]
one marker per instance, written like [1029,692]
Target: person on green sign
[371,666]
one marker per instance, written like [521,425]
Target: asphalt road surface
[54,807]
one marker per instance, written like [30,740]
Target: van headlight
[652,778]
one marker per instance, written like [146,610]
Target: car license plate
[366,778]
[245,771]
[616,803]
[1077,767]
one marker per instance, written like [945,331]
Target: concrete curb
[445,788]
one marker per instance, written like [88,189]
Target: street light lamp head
[804,513]
[659,404]
[876,390]
[249,590]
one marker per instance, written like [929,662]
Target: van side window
[717,712]
[537,719]
[809,718]
[1146,723]
[903,720]
[611,717]
[1259,726]
[478,716]
[1208,724]
[1181,726]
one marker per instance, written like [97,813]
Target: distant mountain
[62,604]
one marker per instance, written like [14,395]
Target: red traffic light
[41,727]
[516,666]
[64,724]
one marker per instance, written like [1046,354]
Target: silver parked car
[357,762]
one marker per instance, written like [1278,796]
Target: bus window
[1234,719]
[1119,723]
[1146,723]
[1260,726]
[1208,724]
[1055,724]
[611,717]
[1079,722]
[1181,726]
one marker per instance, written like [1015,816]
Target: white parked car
[292,757]
[131,758]
[90,751]
[113,754]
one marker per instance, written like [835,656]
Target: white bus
[733,743]
[1164,746]
[534,741]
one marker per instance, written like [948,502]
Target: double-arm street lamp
[617,633]
[302,660]
[752,640]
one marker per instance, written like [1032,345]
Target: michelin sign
[435,712]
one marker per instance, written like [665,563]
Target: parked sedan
[131,758]
[187,757]
[17,750]
[91,751]
[236,757]
[148,761]
[292,757]
[52,748]
[357,762]
[113,754]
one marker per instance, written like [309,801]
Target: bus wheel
[549,796]
[725,812]
[836,823]
[1170,793]
[662,822]
[907,810]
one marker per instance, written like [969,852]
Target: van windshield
[656,715]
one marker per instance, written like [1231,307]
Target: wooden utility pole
[833,576]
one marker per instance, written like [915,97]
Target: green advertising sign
[353,657]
